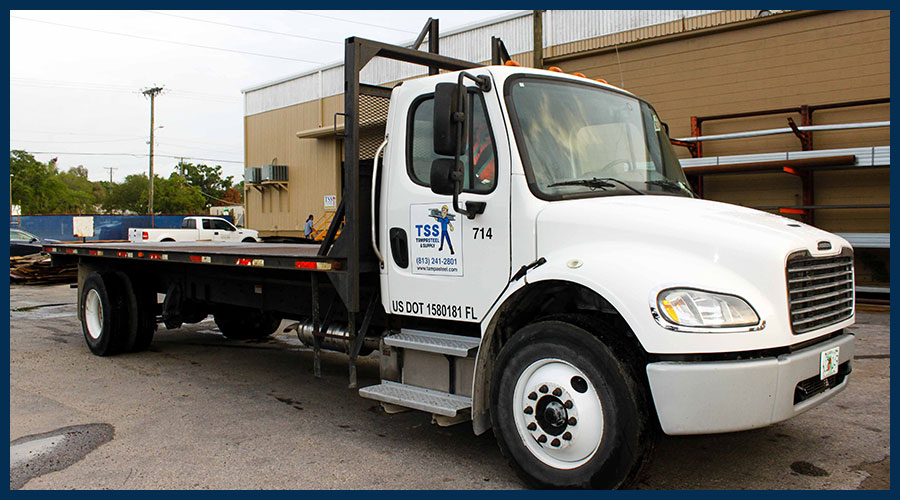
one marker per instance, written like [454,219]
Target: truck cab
[560,227]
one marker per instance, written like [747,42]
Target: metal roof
[470,42]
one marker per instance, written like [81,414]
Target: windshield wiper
[595,183]
[670,185]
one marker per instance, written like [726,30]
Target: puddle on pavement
[39,454]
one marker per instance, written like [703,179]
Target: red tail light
[145,236]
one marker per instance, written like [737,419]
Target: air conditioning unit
[274,173]
[252,175]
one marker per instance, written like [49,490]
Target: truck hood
[629,248]
[702,226]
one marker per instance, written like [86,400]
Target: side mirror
[443,176]
[446,140]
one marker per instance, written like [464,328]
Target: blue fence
[106,227]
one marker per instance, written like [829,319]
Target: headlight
[697,308]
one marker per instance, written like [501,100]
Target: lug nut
[567,436]
[532,396]
[544,389]
[568,405]
[572,421]
[555,442]
[532,426]
[542,439]
[557,392]
[529,410]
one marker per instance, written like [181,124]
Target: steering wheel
[601,172]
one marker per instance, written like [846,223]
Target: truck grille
[820,290]
[814,386]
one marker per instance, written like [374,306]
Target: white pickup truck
[195,229]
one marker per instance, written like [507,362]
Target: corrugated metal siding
[565,26]
[564,32]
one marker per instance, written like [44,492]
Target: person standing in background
[308,229]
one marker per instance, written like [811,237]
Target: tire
[166,240]
[141,301]
[248,240]
[566,412]
[243,324]
[103,312]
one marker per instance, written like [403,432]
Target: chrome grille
[820,290]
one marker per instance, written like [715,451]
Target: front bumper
[725,396]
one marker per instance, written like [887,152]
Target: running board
[417,398]
[441,343]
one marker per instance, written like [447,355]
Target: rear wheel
[239,323]
[141,308]
[104,314]
[566,412]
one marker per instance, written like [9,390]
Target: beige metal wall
[313,166]
[781,61]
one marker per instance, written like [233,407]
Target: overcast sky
[76,77]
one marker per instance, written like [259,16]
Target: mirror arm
[483,82]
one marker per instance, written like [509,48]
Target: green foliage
[40,188]
[175,196]
[131,195]
[208,179]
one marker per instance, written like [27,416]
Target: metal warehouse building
[785,111]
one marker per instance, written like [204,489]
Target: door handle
[399,248]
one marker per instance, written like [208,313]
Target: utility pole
[110,172]
[152,93]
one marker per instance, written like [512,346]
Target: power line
[112,87]
[136,155]
[161,40]
[354,22]
[77,142]
[246,27]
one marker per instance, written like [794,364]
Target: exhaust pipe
[336,337]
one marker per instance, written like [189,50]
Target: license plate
[829,363]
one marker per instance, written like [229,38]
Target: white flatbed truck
[573,295]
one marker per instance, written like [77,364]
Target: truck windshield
[579,140]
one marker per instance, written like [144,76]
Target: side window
[207,224]
[222,225]
[190,224]
[479,157]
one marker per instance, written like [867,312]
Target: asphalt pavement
[198,411]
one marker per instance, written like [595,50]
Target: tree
[208,179]
[82,195]
[175,196]
[129,196]
[170,196]
[39,188]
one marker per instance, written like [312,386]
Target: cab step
[417,398]
[440,343]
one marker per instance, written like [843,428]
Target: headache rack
[820,290]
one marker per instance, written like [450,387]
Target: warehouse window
[479,157]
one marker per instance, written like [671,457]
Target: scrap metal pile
[36,270]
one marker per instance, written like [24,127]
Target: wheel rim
[558,414]
[93,314]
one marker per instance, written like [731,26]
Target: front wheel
[566,412]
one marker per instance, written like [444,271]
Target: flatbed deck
[299,256]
